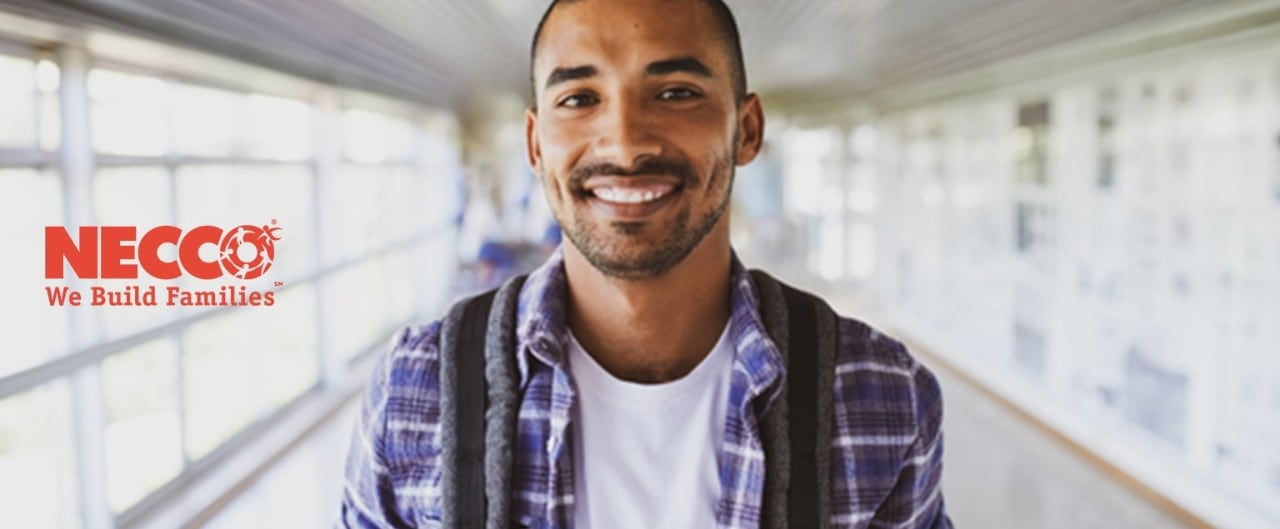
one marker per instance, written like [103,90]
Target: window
[242,365]
[209,122]
[33,459]
[279,129]
[158,389]
[30,199]
[371,138]
[130,113]
[143,448]
[17,95]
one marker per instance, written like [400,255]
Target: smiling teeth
[628,196]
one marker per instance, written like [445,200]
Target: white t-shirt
[647,455]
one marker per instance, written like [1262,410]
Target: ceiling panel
[442,52]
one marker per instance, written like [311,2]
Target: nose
[625,133]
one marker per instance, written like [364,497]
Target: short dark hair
[726,28]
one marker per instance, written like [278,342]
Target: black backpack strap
[802,398]
[478,405]
[797,429]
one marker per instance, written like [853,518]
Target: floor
[1001,472]
[303,490]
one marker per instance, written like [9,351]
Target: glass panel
[400,206]
[862,169]
[267,354]
[31,462]
[142,436]
[439,167]
[355,304]
[17,97]
[212,363]
[393,292]
[278,128]
[35,331]
[436,146]
[129,113]
[207,122]
[862,250]
[50,122]
[374,138]
[286,359]
[352,206]
[48,78]
[806,152]
[134,196]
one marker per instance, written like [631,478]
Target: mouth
[630,198]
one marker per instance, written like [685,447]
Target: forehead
[613,33]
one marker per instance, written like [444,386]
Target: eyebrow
[678,64]
[561,75]
[663,67]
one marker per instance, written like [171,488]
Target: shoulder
[394,472]
[408,377]
[877,375]
[414,353]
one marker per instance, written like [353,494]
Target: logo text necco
[103,251]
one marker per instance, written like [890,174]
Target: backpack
[480,401]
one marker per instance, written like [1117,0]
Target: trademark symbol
[279,283]
[274,222]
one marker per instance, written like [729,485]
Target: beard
[619,249]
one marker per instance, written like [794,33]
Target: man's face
[635,131]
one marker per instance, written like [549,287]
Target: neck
[655,329]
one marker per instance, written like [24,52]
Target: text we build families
[245,252]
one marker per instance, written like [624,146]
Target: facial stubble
[609,252]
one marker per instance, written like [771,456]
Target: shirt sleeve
[915,502]
[368,496]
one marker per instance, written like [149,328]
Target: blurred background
[1069,210]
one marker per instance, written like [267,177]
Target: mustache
[680,169]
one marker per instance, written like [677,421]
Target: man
[644,365]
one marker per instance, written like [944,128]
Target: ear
[750,129]
[532,147]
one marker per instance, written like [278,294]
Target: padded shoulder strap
[797,430]
[477,377]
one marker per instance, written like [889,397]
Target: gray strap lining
[504,402]
[828,341]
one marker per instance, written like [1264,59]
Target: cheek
[559,137]
[559,147]
[554,186]
[708,146]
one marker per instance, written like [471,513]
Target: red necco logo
[105,252]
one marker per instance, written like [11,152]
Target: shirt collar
[541,332]
[543,328]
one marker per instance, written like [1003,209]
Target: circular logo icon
[248,251]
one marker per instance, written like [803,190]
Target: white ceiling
[440,52]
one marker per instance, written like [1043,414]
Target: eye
[577,101]
[678,94]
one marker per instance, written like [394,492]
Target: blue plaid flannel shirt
[886,459]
